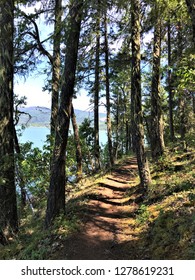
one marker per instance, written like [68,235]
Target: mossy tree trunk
[56,62]
[8,204]
[157,135]
[191,10]
[77,145]
[97,90]
[109,125]
[136,102]
[170,87]
[56,196]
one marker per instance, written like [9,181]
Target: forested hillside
[133,198]
[40,116]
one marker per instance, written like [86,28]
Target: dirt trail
[104,222]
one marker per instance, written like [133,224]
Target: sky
[32,89]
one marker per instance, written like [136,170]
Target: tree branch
[36,36]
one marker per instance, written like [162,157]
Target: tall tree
[157,136]
[77,145]
[56,196]
[191,9]
[170,87]
[8,206]
[136,115]
[182,112]
[56,63]
[109,125]
[97,90]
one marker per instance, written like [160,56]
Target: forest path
[106,227]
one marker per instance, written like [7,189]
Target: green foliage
[186,72]
[66,224]
[33,171]
[71,157]
[86,133]
[143,214]
[171,233]
[164,163]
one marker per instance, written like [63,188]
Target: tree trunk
[96,93]
[77,145]
[137,116]
[127,145]
[109,125]
[18,170]
[8,204]
[181,98]
[170,89]
[191,10]
[193,102]
[182,116]
[127,121]
[157,139]
[56,64]
[56,196]
[116,143]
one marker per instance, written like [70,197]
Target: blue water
[34,134]
[37,135]
[103,137]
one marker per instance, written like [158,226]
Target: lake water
[34,134]
[37,135]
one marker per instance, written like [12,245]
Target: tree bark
[170,89]
[97,89]
[56,62]
[182,115]
[8,204]
[157,139]
[56,196]
[193,102]
[116,143]
[191,10]
[18,170]
[181,98]
[108,115]
[136,103]
[77,145]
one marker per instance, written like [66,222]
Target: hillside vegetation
[41,116]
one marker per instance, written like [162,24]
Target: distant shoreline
[37,116]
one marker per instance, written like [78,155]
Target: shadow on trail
[118,189]
[102,215]
[164,238]
[109,230]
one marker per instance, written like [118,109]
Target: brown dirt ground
[106,231]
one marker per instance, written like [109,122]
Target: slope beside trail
[106,228]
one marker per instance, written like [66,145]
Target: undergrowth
[166,219]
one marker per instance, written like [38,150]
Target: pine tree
[108,105]
[56,196]
[77,145]
[157,136]
[170,82]
[8,205]
[191,9]
[56,63]
[136,102]
[97,90]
